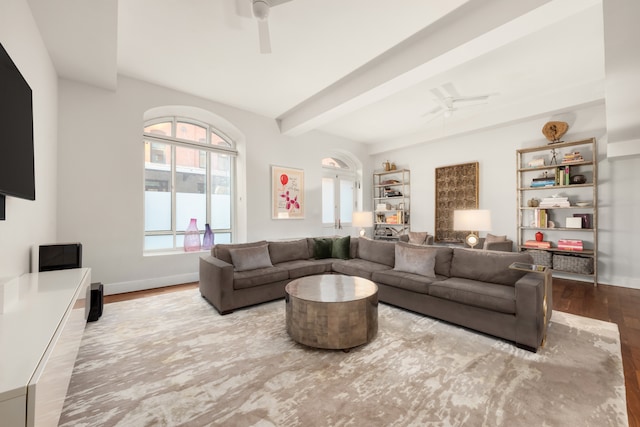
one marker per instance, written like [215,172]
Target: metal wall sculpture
[456,188]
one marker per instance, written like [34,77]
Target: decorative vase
[192,237]
[539,237]
[207,240]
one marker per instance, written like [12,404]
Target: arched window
[339,192]
[189,172]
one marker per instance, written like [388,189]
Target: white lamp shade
[362,219]
[472,220]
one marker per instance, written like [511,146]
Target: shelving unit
[537,163]
[391,202]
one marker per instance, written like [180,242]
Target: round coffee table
[332,311]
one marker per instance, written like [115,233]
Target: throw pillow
[322,247]
[491,238]
[418,237]
[250,258]
[416,260]
[340,248]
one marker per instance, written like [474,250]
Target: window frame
[173,141]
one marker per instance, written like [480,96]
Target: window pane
[157,189]
[190,188]
[346,200]
[220,191]
[191,132]
[159,129]
[328,201]
[158,242]
[222,238]
[217,140]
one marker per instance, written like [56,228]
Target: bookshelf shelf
[534,166]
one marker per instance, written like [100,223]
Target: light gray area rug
[172,360]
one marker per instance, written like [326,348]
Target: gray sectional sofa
[471,288]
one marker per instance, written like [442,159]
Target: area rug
[172,360]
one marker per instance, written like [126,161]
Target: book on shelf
[543,182]
[570,245]
[572,157]
[540,218]
[536,244]
[563,175]
[555,202]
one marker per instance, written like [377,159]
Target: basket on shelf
[540,257]
[573,264]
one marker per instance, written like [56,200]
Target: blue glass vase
[192,237]
[207,240]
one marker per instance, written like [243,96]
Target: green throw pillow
[322,248]
[341,247]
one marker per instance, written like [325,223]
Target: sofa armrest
[216,283]
[531,319]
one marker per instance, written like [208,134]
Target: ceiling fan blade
[438,94]
[263,34]
[277,2]
[473,99]
[451,90]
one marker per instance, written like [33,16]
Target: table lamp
[362,220]
[472,220]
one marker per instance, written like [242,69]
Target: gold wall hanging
[456,188]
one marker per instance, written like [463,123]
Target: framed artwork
[287,193]
[456,188]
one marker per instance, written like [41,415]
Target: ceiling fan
[260,10]
[449,101]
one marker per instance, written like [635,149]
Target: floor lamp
[362,220]
[472,219]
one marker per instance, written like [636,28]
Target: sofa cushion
[475,293]
[341,247]
[403,280]
[491,238]
[322,247]
[258,277]
[288,251]
[415,259]
[250,258]
[488,266]
[302,267]
[358,267]
[221,250]
[443,258]
[377,251]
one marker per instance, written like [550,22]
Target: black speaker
[60,257]
[97,297]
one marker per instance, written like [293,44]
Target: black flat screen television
[17,171]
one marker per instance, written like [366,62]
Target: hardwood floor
[608,303]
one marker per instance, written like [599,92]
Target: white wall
[30,222]
[495,150]
[101,179]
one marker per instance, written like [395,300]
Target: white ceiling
[361,69]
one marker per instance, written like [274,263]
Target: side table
[546,272]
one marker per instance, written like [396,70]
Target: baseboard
[156,282]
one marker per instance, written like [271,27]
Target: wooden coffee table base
[332,311]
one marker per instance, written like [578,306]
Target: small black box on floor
[97,297]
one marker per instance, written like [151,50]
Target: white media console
[42,319]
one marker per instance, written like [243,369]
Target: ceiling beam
[429,51]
